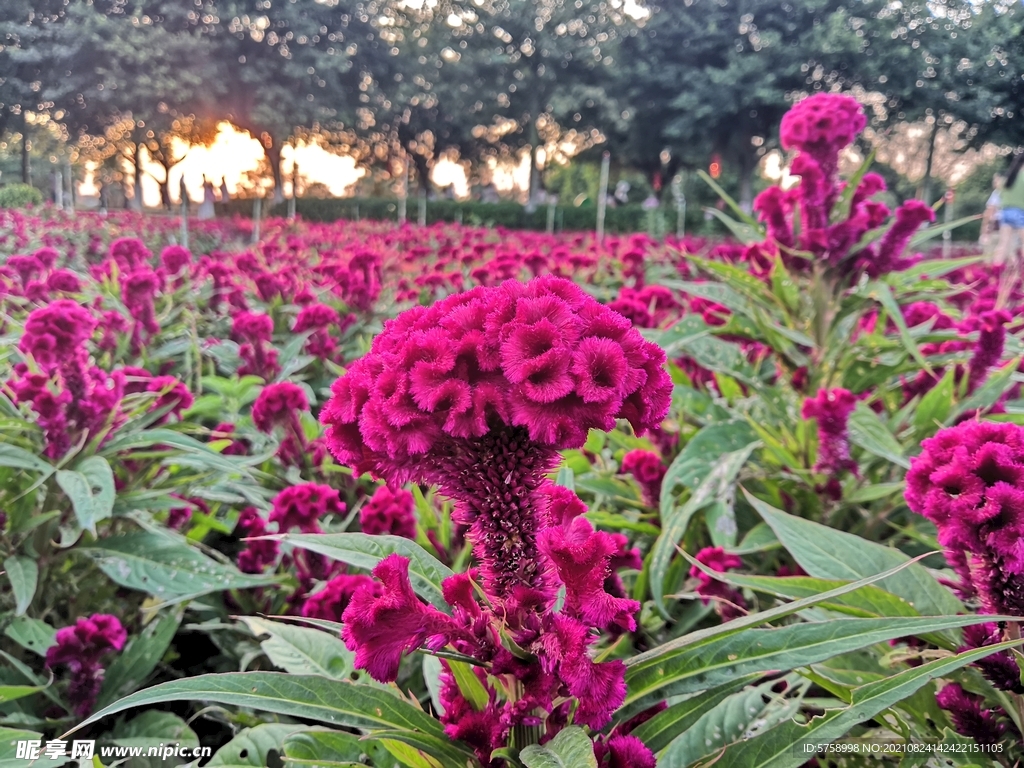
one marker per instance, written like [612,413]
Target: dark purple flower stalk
[81,648]
[968,717]
[989,349]
[831,408]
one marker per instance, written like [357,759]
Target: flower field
[450,496]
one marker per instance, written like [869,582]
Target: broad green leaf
[935,405]
[716,485]
[168,438]
[735,719]
[301,650]
[740,279]
[166,567]
[685,330]
[253,746]
[571,748]
[91,491]
[324,748]
[151,728]
[998,382]
[868,432]
[9,738]
[15,692]
[719,293]
[18,458]
[130,669]
[31,634]
[309,697]
[881,293]
[718,355]
[23,573]
[665,726]
[826,553]
[364,551]
[783,745]
[407,754]
[717,661]
[700,455]
[873,492]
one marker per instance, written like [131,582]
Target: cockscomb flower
[255,332]
[25,266]
[888,255]
[969,481]
[138,292]
[989,349]
[647,469]
[389,512]
[1000,668]
[968,716]
[822,125]
[172,395]
[831,408]
[130,253]
[278,405]
[56,334]
[175,258]
[302,506]
[81,648]
[729,602]
[63,281]
[258,553]
[478,392]
[319,318]
[330,602]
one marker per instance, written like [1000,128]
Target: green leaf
[997,383]
[932,232]
[166,567]
[735,719]
[9,738]
[323,748]
[254,746]
[873,492]
[364,551]
[407,754]
[23,573]
[935,405]
[31,634]
[783,745]
[131,668]
[18,458]
[301,650]
[826,553]
[665,726]
[868,432]
[841,208]
[151,728]
[571,748]
[469,684]
[883,295]
[933,269]
[90,489]
[168,438]
[701,454]
[15,692]
[717,484]
[718,660]
[744,216]
[740,279]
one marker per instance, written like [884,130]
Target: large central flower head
[541,356]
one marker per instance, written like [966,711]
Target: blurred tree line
[666,87]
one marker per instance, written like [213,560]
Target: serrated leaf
[783,745]
[23,573]
[571,748]
[868,432]
[826,553]
[166,567]
[301,650]
[364,551]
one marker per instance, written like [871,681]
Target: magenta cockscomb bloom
[389,512]
[729,602]
[831,408]
[301,507]
[278,405]
[258,553]
[647,470]
[969,717]
[175,258]
[63,281]
[172,395]
[821,126]
[320,318]
[255,331]
[624,751]
[81,649]
[969,481]
[1000,668]
[330,602]
[476,394]
[56,334]
[138,292]
[989,349]
[130,253]
[909,218]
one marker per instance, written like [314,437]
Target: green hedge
[19,195]
[627,218]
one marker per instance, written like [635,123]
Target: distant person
[489,193]
[990,219]
[206,209]
[1011,228]
[183,192]
[622,191]
[225,197]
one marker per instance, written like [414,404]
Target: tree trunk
[926,182]
[747,165]
[273,153]
[26,147]
[531,201]
[137,192]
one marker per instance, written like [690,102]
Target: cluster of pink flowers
[476,394]
[258,552]
[647,469]
[729,602]
[831,408]
[254,331]
[820,127]
[278,406]
[389,512]
[81,649]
